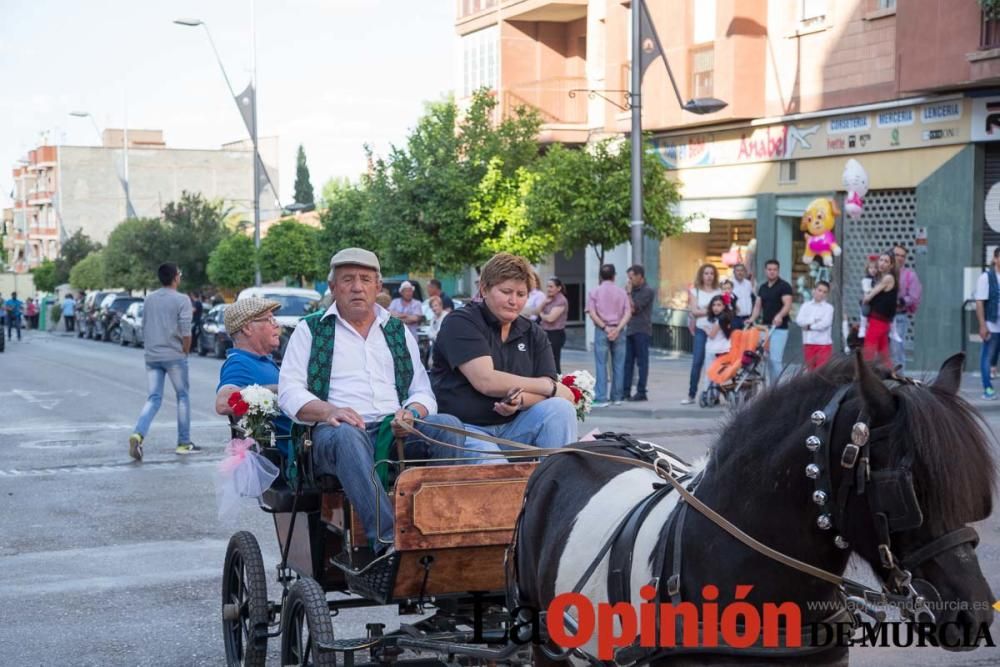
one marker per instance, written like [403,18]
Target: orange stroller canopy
[725,368]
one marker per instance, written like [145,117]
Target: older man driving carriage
[355,370]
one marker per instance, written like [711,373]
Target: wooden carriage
[453,524]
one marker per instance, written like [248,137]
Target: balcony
[989,33]
[551,99]
[557,11]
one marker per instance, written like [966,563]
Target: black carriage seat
[280,497]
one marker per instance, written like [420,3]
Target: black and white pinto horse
[755,476]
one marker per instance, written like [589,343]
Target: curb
[716,413]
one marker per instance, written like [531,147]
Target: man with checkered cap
[255,332]
[355,370]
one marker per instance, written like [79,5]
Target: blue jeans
[177,371]
[601,348]
[989,351]
[349,453]
[897,349]
[637,352]
[13,323]
[776,355]
[697,361]
[550,423]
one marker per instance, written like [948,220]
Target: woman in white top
[438,315]
[706,285]
[536,298]
[718,326]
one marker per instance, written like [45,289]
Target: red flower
[577,394]
[234,398]
[569,380]
[241,408]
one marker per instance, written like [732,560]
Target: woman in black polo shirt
[494,369]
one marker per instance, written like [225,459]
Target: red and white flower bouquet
[244,473]
[582,384]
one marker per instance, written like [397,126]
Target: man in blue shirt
[13,307]
[255,332]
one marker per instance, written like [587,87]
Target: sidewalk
[668,382]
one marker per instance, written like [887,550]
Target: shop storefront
[748,187]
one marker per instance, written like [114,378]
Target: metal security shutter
[991,237]
[889,217]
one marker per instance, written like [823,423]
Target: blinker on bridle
[890,494]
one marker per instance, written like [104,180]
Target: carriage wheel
[305,619]
[244,602]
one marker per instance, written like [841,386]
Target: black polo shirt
[770,301]
[472,332]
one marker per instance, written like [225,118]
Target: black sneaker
[637,397]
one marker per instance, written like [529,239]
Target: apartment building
[909,89]
[60,189]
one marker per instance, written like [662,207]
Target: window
[702,72]
[704,21]
[788,171]
[813,9]
[886,4]
[479,60]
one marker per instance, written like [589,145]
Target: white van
[296,302]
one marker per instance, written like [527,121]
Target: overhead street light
[122,177]
[251,122]
[700,106]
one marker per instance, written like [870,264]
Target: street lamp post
[123,177]
[701,105]
[193,23]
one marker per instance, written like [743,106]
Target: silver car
[131,325]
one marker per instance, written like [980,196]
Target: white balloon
[855,178]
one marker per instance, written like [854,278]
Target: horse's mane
[954,470]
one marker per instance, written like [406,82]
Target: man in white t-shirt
[816,319]
[988,313]
[743,291]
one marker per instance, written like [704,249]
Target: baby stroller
[738,375]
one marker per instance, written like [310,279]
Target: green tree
[585,196]
[290,249]
[500,216]
[73,249]
[334,189]
[88,273]
[45,276]
[303,188]
[231,264]
[421,192]
[347,223]
[135,250]
[193,227]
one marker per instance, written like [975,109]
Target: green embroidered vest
[321,355]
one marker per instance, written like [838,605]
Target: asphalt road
[109,562]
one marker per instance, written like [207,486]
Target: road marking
[108,467]
[219,424]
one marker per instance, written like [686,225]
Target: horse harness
[892,501]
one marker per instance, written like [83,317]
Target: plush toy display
[855,181]
[818,223]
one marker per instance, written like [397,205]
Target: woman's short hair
[502,267]
[430,301]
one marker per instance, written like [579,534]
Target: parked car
[213,337]
[131,325]
[107,323]
[86,317]
[296,303]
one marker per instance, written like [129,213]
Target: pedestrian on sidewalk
[706,286]
[988,313]
[909,301]
[882,301]
[774,301]
[553,316]
[609,308]
[639,332]
[718,327]
[13,307]
[743,291]
[31,313]
[69,312]
[166,329]
[816,319]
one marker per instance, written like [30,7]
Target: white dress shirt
[743,289]
[362,376]
[818,316]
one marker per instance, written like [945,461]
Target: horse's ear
[949,378]
[876,396]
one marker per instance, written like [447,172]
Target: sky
[331,74]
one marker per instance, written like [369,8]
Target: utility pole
[635,100]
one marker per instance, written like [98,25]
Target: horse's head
[909,466]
